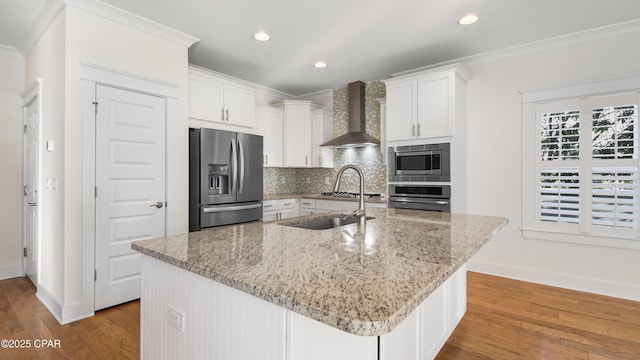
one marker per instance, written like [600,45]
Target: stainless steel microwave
[427,162]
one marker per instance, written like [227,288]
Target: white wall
[79,36]
[46,61]
[494,163]
[11,85]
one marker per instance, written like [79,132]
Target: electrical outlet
[326,180]
[308,180]
[176,318]
[283,179]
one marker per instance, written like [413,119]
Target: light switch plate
[50,145]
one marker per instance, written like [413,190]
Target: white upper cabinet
[321,132]
[402,109]
[423,105]
[297,134]
[269,124]
[304,125]
[214,98]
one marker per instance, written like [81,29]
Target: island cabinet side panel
[308,339]
[422,334]
[186,316]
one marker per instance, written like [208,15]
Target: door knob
[158,204]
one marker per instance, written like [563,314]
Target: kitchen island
[392,289]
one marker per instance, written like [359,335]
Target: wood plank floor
[505,319]
[113,333]
[509,319]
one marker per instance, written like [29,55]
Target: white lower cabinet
[280,209]
[186,316]
[307,207]
[308,339]
[423,333]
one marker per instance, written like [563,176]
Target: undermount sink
[326,223]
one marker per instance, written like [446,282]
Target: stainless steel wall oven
[420,197]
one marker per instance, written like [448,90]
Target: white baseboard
[11,271]
[64,314]
[49,302]
[596,286]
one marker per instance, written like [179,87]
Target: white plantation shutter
[558,166]
[614,194]
[615,132]
[560,195]
[587,166]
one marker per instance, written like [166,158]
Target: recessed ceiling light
[320,65]
[468,19]
[261,36]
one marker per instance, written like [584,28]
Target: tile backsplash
[369,159]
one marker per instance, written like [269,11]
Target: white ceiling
[359,39]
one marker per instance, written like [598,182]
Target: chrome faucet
[360,213]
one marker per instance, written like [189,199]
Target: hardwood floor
[113,333]
[505,319]
[509,319]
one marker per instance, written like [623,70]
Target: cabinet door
[240,106]
[269,215]
[402,110]
[206,99]
[433,107]
[297,135]
[321,131]
[304,212]
[311,340]
[269,125]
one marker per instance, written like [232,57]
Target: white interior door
[31,163]
[130,188]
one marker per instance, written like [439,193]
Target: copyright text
[28,343]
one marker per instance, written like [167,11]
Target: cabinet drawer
[287,204]
[269,205]
[308,204]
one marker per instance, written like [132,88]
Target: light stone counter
[362,281]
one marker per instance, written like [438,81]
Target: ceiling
[359,40]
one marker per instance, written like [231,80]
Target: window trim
[570,233]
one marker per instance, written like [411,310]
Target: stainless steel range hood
[356,137]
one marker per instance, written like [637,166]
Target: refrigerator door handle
[234,167]
[230,208]
[241,166]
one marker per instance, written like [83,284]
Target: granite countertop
[378,200]
[364,281]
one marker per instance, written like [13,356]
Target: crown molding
[47,13]
[52,8]
[537,46]
[115,14]
[9,51]
[315,95]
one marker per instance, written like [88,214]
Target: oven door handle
[422,201]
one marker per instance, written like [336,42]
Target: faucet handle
[358,213]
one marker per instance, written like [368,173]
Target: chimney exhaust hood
[356,137]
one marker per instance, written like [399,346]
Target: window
[580,168]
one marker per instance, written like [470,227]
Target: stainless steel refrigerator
[225,178]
